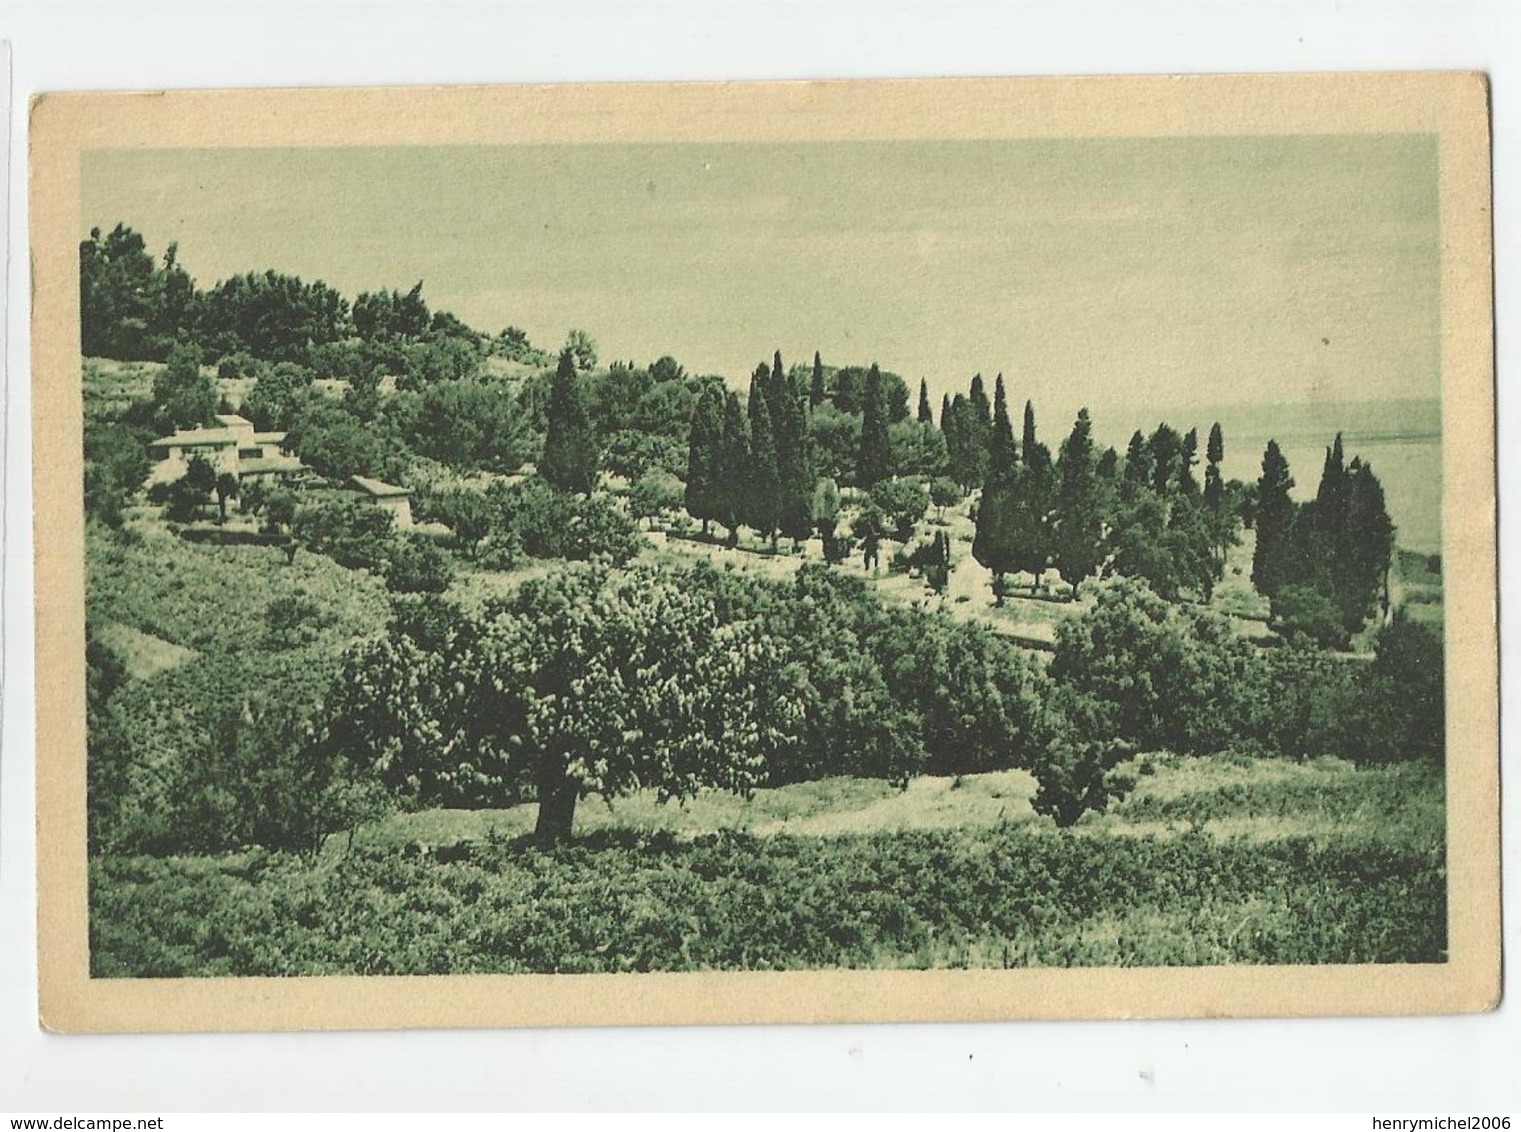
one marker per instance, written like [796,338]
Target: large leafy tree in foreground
[591,681]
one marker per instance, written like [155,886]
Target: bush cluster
[1181,680]
[549,523]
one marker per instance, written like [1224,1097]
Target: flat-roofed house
[397,500]
[252,445]
[263,469]
[172,454]
[232,446]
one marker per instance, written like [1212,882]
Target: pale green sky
[1194,271]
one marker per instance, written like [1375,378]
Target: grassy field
[1209,861]
[1260,799]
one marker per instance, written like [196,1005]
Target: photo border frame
[1453,106]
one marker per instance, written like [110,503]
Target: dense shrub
[977,696]
[1170,679]
[280,396]
[115,465]
[1180,681]
[1304,611]
[654,493]
[467,513]
[231,367]
[414,563]
[853,687]
[169,769]
[351,533]
[216,755]
[902,503]
[294,619]
[1077,771]
[465,423]
[1299,702]
[549,523]
[186,498]
[1400,711]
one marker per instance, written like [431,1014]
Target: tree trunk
[557,802]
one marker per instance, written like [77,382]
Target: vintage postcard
[858,551]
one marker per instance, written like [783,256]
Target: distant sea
[1402,440]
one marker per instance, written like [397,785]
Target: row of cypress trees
[753,466]
[1333,552]
[1082,511]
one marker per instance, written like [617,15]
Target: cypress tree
[979,431]
[1079,522]
[1166,449]
[794,467]
[994,544]
[1032,521]
[1215,452]
[926,416]
[1137,464]
[1222,525]
[1272,556]
[704,492]
[1214,486]
[1109,465]
[874,461]
[1326,533]
[570,451]
[1361,564]
[826,518]
[734,470]
[1001,441]
[761,493]
[953,426]
[1333,478]
[1188,456]
[816,387]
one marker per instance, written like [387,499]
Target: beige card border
[1453,106]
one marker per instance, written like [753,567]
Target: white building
[397,500]
[233,446]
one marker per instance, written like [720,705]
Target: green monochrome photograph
[823,548]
